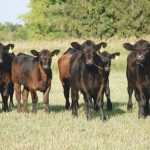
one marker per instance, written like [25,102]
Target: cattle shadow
[117,109]
[57,108]
[53,108]
[40,106]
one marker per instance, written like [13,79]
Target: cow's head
[4,49]
[45,57]
[106,59]
[141,49]
[88,49]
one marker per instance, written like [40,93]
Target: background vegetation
[51,19]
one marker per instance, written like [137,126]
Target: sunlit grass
[59,130]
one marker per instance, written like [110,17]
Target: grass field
[58,130]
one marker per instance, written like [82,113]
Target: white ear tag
[117,57]
[10,50]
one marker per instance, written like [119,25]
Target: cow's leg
[96,108]
[130,92]
[75,97]
[141,103]
[87,102]
[11,92]
[100,102]
[46,99]
[4,94]
[101,108]
[5,103]
[66,87]
[146,108]
[107,93]
[34,100]
[18,96]
[25,94]
[5,90]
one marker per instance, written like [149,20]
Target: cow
[34,73]
[106,59]
[64,73]
[138,75]
[6,85]
[87,76]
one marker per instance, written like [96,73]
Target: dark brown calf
[106,60]
[86,77]
[34,73]
[138,75]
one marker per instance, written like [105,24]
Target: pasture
[58,130]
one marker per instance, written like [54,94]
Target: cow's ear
[102,44]
[55,52]
[9,47]
[76,45]
[128,46]
[35,53]
[114,55]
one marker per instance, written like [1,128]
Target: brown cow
[64,73]
[34,73]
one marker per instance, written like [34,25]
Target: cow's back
[23,67]
[76,68]
[64,66]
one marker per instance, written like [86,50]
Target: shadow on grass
[60,108]
[57,108]
[40,106]
[117,109]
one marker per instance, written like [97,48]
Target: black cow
[6,85]
[138,75]
[34,73]
[106,60]
[86,76]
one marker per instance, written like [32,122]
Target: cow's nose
[140,57]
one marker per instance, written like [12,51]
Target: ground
[58,130]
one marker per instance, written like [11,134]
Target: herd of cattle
[82,68]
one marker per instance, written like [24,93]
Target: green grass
[58,130]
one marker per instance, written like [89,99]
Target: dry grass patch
[59,131]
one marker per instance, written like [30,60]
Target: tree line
[49,19]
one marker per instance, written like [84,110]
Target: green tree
[87,18]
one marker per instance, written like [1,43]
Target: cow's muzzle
[139,57]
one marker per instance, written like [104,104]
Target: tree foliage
[9,31]
[88,18]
